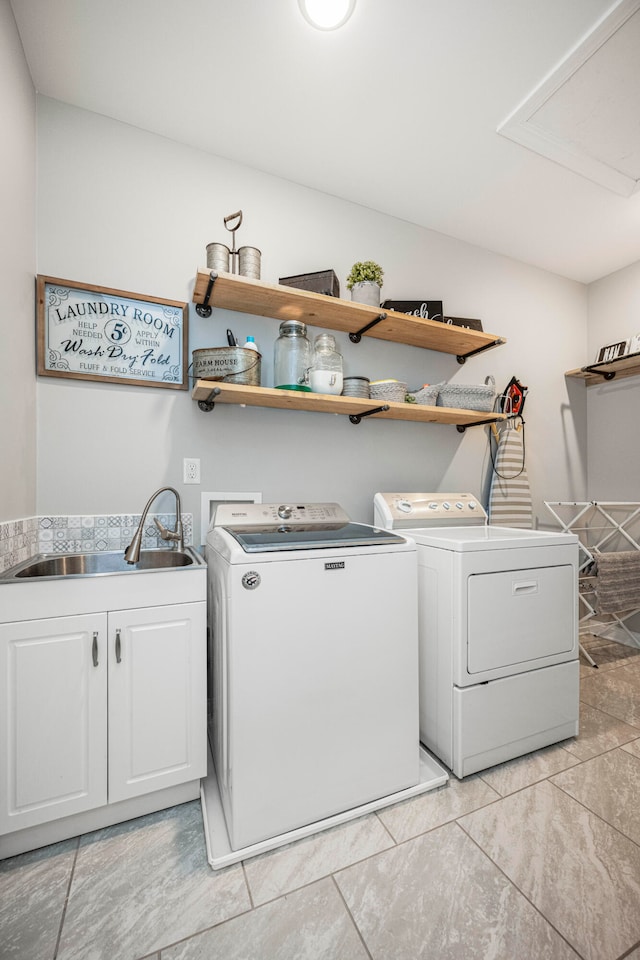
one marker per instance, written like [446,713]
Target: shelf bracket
[356,418]
[207,405]
[462,357]
[357,336]
[461,427]
[606,374]
[204,309]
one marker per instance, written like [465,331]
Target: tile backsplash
[22,539]
[18,541]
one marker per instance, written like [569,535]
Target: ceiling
[416,109]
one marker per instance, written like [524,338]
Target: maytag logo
[251,580]
[334,565]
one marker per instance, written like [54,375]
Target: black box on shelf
[324,281]
[462,322]
[426,309]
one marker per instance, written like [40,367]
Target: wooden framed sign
[96,333]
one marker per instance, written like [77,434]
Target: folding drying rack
[601,526]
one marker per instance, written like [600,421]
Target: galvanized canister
[231,364]
[218,257]
[249,262]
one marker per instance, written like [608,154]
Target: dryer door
[518,617]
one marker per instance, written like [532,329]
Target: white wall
[613,406]
[123,208]
[17,268]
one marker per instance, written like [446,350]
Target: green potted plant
[364,281]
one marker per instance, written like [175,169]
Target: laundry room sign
[97,333]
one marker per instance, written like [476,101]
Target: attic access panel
[585,113]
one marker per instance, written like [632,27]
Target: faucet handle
[164,533]
[169,534]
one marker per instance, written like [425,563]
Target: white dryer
[313,674]
[498,628]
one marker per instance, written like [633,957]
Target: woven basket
[426,396]
[467,396]
[393,390]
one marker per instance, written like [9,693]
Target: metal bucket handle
[232,216]
[232,230]
[256,361]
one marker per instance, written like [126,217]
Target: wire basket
[468,396]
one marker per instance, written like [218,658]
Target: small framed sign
[97,333]
[612,351]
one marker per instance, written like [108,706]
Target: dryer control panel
[394,511]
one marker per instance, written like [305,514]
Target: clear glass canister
[292,357]
[325,375]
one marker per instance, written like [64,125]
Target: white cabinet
[157,698]
[53,748]
[100,708]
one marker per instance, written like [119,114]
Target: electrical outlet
[191,470]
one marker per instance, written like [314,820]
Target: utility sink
[95,564]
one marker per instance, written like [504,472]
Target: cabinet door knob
[118,647]
[94,648]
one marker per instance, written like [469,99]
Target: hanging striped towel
[618,581]
[510,497]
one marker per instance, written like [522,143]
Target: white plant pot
[366,292]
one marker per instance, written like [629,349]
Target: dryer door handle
[524,587]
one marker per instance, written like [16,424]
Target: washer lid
[463,539]
[269,538]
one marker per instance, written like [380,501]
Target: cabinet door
[53,733]
[157,698]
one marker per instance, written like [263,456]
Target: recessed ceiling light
[326,14]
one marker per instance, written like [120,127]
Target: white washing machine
[498,627]
[313,655]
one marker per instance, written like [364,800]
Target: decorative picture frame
[87,332]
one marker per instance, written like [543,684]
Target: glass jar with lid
[325,375]
[292,357]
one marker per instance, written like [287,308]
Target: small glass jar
[292,357]
[325,375]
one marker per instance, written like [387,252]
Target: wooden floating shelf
[203,392]
[232,292]
[594,373]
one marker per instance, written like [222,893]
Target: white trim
[209,502]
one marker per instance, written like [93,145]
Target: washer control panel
[250,514]
[394,510]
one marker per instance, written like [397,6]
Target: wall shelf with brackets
[231,292]
[594,373]
[208,393]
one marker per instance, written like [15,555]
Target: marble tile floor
[534,859]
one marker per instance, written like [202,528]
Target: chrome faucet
[132,553]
